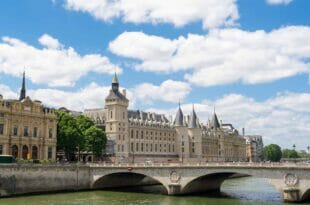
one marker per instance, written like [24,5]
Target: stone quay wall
[36,178]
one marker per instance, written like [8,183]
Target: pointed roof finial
[23,89]
[115,79]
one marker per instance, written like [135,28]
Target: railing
[205,164]
[158,165]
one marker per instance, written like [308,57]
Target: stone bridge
[291,180]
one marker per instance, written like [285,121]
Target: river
[242,191]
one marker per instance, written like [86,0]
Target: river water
[242,191]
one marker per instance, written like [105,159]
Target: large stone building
[27,128]
[143,136]
[254,148]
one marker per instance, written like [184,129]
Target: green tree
[69,136]
[95,140]
[290,153]
[272,152]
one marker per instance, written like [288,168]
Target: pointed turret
[23,89]
[215,122]
[193,119]
[115,83]
[179,117]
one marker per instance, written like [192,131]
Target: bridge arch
[126,179]
[206,182]
[306,195]
[212,181]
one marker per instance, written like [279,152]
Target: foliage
[73,134]
[272,152]
[95,140]
[290,153]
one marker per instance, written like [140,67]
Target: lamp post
[294,146]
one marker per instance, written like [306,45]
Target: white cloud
[212,13]
[93,95]
[168,91]
[53,64]
[6,92]
[277,2]
[223,56]
[283,119]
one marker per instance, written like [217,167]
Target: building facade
[27,128]
[137,136]
[254,148]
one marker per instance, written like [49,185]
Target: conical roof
[115,79]
[193,119]
[179,117]
[215,122]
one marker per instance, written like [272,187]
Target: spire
[115,83]
[115,79]
[215,122]
[193,119]
[23,89]
[179,117]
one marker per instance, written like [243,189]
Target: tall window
[141,134]
[50,153]
[123,115]
[26,133]
[15,130]
[1,149]
[50,132]
[137,134]
[111,114]
[1,129]
[137,147]
[35,132]
[131,147]
[141,147]
[131,134]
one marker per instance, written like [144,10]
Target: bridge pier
[174,189]
[291,195]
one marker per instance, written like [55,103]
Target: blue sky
[249,58]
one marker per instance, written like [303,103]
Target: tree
[69,136]
[78,133]
[290,153]
[272,152]
[95,140]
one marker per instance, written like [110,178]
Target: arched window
[34,152]
[25,152]
[15,151]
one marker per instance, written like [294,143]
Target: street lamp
[294,146]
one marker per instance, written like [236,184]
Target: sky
[248,59]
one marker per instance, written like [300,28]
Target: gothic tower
[116,105]
[195,136]
[182,143]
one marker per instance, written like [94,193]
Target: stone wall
[25,179]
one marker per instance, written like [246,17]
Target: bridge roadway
[290,179]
